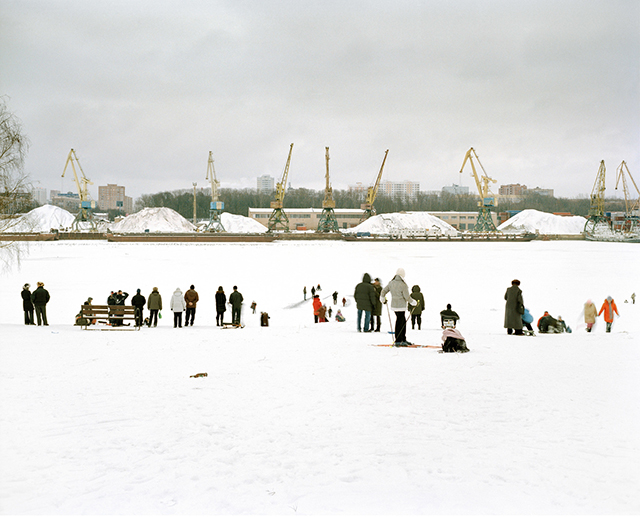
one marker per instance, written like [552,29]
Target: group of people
[35,301]
[517,317]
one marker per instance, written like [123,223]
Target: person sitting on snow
[453,341]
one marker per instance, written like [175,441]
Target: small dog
[199,375]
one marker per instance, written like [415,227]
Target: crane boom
[81,184]
[211,176]
[281,187]
[328,201]
[482,182]
[629,205]
[372,192]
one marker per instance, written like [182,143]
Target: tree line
[238,201]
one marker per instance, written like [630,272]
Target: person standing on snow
[177,305]
[27,305]
[221,306]
[191,298]
[416,313]
[609,308]
[514,309]
[590,314]
[400,297]
[377,308]
[138,302]
[40,297]
[235,299]
[365,297]
[316,307]
[154,305]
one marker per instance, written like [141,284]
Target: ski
[232,325]
[410,346]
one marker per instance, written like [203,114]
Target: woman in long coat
[590,314]
[514,309]
[221,306]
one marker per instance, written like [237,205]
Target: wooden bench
[112,316]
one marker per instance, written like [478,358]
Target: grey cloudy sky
[143,90]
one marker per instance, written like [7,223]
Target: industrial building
[307,218]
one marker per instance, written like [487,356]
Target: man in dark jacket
[27,305]
[40,297]
[120,297]
[514,309]
[191,298]
[365,296]
[138,302]
[235,299]
[221,306]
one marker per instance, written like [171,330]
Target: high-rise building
[399,188]
[266,183]
[40,195]
[112,197]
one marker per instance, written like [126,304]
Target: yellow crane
[596,215]
[372,192]
[484,222]
[278,219]
[216,206]
[328,221]
[632,208]
[85,214]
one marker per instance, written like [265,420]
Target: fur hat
[26,286]
[400,272]
[40,284]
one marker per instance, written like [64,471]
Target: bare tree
[14,184]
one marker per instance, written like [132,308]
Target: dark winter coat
[365,294]
[191,297]
[40,297]
[514,308]
[155,301]
[112,299]
[138,301]
[121,297]
[418,297]
[235,299]
[26,300]
[221,301]
[377,308]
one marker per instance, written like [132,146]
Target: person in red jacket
[609,307]
[316,307]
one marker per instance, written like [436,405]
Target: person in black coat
[365,296]
[514,309]
[221,306]
[138,302]
[27,305]
[40,297]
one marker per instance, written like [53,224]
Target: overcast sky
[143,90]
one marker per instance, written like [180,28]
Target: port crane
[632,208]
[86,205]
[328,222]
[216,206]
[484,222]
[372,192]
[596,217]
[278,219]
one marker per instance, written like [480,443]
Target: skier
[27,305]
[40,297]
[609,308]
[590,314]
[400,297]
[235,299]
[416,313]
[221,306]
[365,297]
[177,305]
[191,298]
[155,306]
[138,302]
[514,309]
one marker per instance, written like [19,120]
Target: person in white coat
[178,306]
[400,297]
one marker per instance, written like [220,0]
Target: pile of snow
[41,219]
[403,222]
[156,220]
[233,223]
[544,223]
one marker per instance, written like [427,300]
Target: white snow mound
[399,222]
[233,223]
[544,223]
[156,220]
[40,220]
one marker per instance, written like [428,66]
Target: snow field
[309,418]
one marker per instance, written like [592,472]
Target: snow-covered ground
[310,418]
